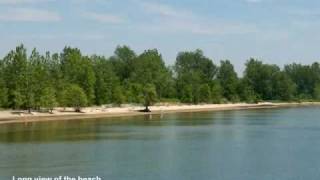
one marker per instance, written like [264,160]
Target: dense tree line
[70,79]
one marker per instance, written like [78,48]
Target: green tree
[260,78]
[186,94]
[74,96]
[48,99]
[283,87]
[118,95]
[205,93]
[3,94]
[216,92]
[192,69]
[78,69]
[149,68]
[305,77]
[3,88]
[246,92]
[316,92]
[15,77]
[229,80]
[106,80]
[17,99]
[133,92]
[123,61]
[149,96]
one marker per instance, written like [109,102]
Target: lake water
[230,145]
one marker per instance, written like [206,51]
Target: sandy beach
[15,116]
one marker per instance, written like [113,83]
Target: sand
[11,116]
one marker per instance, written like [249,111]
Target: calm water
[232,145]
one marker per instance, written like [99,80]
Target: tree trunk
[146,109]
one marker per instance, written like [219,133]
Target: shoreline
[10,116]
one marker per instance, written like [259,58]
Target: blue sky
[275,31]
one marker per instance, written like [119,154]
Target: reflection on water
[253,144]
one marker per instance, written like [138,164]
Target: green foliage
[149,68]
[3,89]
[283,87]
[229,80]
[205,94]
[186,94]
[305,77]
[122,61]
[17,99]
[118,96]
[48,99]
[73,80]
[106,80]
[260,77]
[246,92]
[316,92]
[3,95]
[74,96]
[78,69]
[133,92]
[192,70]
[149,96]
[216,92]
[15,76]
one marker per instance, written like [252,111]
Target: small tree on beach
[149,96]
[75,97]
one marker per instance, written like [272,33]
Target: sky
[275,31]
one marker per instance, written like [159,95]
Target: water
[242,145]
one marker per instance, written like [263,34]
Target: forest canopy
[71,79]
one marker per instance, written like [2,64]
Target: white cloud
[171,19]
[28,15]
[16,2]
[104,18]
[63,36]
[164,10]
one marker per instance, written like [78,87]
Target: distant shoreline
[11,116]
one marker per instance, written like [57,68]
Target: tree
[17,99]
[192,69]
[15,77]
[123,61]
[316,92]
[149,68]
[40,81]
[117,95]
[37,79]
[229,80]
[305,77]
[259,77]
[246,92]
[216,92]
[205,93]
[133,92]
[78,69]
[3,94]
[74,96]
[3,89]
[106,80]
[149,96]
[48,99]
[283,87]
[186,94]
